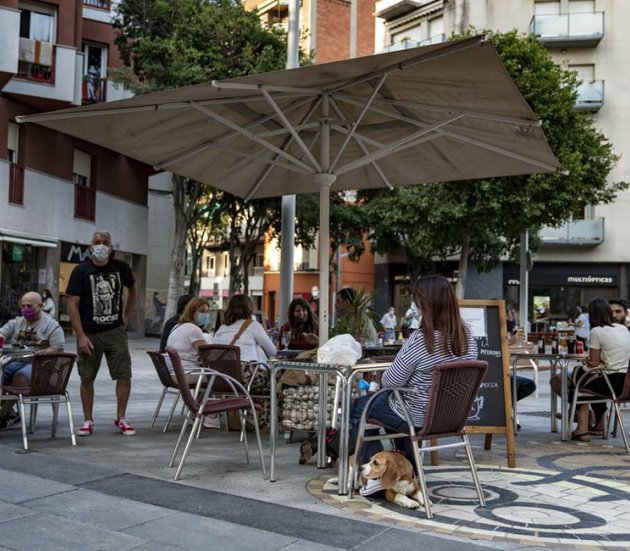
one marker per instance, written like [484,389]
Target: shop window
[94,73]
[16,172]
[84,189]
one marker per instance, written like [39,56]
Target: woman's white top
[583,331]
[613,342]
[49,307]
[255,344]
[181,339]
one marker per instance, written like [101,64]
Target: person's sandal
[581,436]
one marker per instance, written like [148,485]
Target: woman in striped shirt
[442,337]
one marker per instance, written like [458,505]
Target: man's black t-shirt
[100,292]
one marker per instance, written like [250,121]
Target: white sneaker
[211,422]
[371,487]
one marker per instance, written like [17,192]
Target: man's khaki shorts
[113,344]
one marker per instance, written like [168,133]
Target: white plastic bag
[342,350]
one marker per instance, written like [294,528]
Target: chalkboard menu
[492,409]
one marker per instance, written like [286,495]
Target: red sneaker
[125,426]
[86,428]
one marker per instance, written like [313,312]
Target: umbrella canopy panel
[439,113]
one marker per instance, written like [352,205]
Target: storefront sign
[74,252]
[17,253]
[570,276]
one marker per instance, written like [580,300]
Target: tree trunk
[178,252]
[460,290]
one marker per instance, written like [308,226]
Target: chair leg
[258,440]
[170,415]
[73,438]
[157,408]
[473,470]
[619,418]
[33,417]
[241,415]
[179,441]
[422,479]
[55,419]
[193,431]
[23,422]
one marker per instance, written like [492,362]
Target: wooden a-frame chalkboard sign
[492,410]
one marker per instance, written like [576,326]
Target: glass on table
[286,340]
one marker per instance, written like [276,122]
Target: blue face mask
[202,318]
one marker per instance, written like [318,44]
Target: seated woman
[609,347]
[186,337]
[302,326]
[241,330]
[442,337]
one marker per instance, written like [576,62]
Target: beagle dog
[396,476]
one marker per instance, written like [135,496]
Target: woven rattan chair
[453,390]
[585,396]
[239,400]
[49,379]
[160,362]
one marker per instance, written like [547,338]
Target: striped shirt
[413,368]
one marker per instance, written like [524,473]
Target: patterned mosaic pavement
[569,496]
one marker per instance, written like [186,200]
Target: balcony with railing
[99,4]
[408,43]
[569,30]
[590,96]
[586,233]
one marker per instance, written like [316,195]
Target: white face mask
[100,252]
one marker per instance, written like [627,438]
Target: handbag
[257,380]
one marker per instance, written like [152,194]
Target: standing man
[388,321]
[99,318]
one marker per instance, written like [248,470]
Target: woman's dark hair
[240,307]
[584,308]
[310,325]
[436,300]
[599,313]
[46,293]
[188,315]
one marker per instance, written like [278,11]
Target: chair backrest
[51,373]
[453,390]
[225,359]
[625,393]
[164,373]
[182,383]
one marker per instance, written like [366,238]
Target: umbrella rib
[291,129]
[404,143]
[497,149]
[360,139]
[252,136]
[219,84]
[357,122]
[267,170]
[447,110]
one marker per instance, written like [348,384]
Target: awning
[32,241]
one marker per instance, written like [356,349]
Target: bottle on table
[541,342]
[571,344]
[554,342]
[563,344]
[548,345]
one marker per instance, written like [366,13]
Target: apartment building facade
[590,255]
[55,190]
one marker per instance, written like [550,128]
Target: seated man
[347,317]
[35,330]
[524,387]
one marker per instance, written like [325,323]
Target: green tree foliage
[483,219]
[171,43]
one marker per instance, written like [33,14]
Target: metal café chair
[50,376]
[160,362]
[238,400]
[453,390]
[583,395]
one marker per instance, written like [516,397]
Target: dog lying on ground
[308,448]
[396,477]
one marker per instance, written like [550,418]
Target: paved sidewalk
[115,492]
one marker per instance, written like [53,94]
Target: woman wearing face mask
[187,336]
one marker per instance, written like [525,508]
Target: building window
[94,73]
[210,263]
[84,189]
[16,172]
[36,53]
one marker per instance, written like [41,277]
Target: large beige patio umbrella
[439,113]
